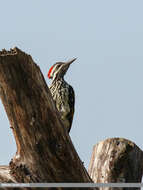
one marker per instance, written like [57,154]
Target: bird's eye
[58,66]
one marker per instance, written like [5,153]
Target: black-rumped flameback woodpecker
[62,92]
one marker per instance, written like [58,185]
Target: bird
[62,93]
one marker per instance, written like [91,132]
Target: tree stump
[45,152]
[116,160]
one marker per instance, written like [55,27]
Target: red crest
[49,73]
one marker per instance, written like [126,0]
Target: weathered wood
[116,160]
[5,175]
[45,152]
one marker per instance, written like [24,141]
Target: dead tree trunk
[116,160]
[45,152]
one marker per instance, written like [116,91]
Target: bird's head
[59,69]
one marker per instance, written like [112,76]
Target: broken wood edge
[116,160]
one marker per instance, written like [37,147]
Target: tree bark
[45,152]
[116,160]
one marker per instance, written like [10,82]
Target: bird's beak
[66,65]
[70,61]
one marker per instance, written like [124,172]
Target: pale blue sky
[107,38]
